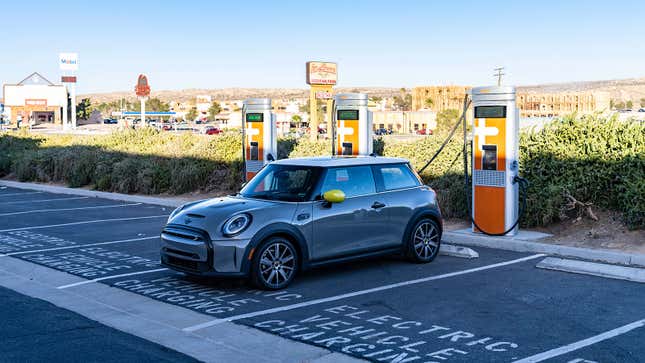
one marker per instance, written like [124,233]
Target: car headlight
[236,224]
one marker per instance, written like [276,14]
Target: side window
[397,177]
[353,181]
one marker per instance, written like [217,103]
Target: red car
[213,131]
[424,132]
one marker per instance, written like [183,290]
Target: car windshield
[288,183]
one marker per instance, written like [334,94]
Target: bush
[593,159]
[590,158]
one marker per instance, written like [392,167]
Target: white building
[35,99]
[203,103]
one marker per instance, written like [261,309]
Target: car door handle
[377,205]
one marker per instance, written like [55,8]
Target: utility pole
[499,73]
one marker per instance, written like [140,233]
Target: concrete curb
[593,268]
[167,202]
[513,244]
[457,251]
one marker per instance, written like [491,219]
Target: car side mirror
[334,196]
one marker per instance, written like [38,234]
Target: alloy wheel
[277,264]
[426,240]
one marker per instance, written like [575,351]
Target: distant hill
[623,89]
[227,94]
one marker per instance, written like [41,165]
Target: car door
[400,189]
[356,225]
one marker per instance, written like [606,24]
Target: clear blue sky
[216,44]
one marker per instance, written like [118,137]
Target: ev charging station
[260,135]
[352,125]
[495,160]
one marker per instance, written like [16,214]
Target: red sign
[36,102]
[323,95]
[68,79]
[142,89]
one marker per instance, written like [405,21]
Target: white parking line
[356,293]
[43,200]
[18,194]
[79,246]
[109,277]
[68,209]
[583,343]
[83,222]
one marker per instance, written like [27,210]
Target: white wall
[16,95]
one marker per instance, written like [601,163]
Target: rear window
[397,177]
[353,181]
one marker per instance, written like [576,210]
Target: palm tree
[429,102]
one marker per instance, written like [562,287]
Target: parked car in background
[424,132]
[212,130]
[383,131]
[641,110]
[296,214]
[110,121]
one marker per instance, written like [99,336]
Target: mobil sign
[68,61]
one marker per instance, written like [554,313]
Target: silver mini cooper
[296,214]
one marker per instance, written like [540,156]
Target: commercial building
[35,100]
[561,103]
[404,121]
[439,98]
[530,104]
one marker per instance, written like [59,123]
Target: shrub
[591,158]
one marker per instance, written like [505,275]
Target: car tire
[424,241]
[274,264]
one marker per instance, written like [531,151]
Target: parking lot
[495,308]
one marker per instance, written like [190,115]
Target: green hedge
[591,158]
[143,161]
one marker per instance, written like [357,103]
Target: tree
[157,105]
[446,120]
[214,110]
[376,99]
[403,102]
[642,102]
[619,105]
[296,119]
[192,114]
[429,102]
[84,109]
[629,104]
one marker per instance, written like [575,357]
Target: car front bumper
[191,250]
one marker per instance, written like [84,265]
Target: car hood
[210,214]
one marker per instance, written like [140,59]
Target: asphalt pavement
[496,308]
[37,331]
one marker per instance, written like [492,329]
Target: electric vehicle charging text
[495,187]
[259,135]
[352,125]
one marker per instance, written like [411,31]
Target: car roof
[332,161]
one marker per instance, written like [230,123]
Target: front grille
[187,236]
[181,263]
[181,253]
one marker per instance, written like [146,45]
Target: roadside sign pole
[72,95]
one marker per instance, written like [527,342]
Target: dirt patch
[608,232]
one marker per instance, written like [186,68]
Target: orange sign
[490,155]
[254,146]
[36,102]
[324,73]
[142,89]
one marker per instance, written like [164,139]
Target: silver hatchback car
[300,213]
